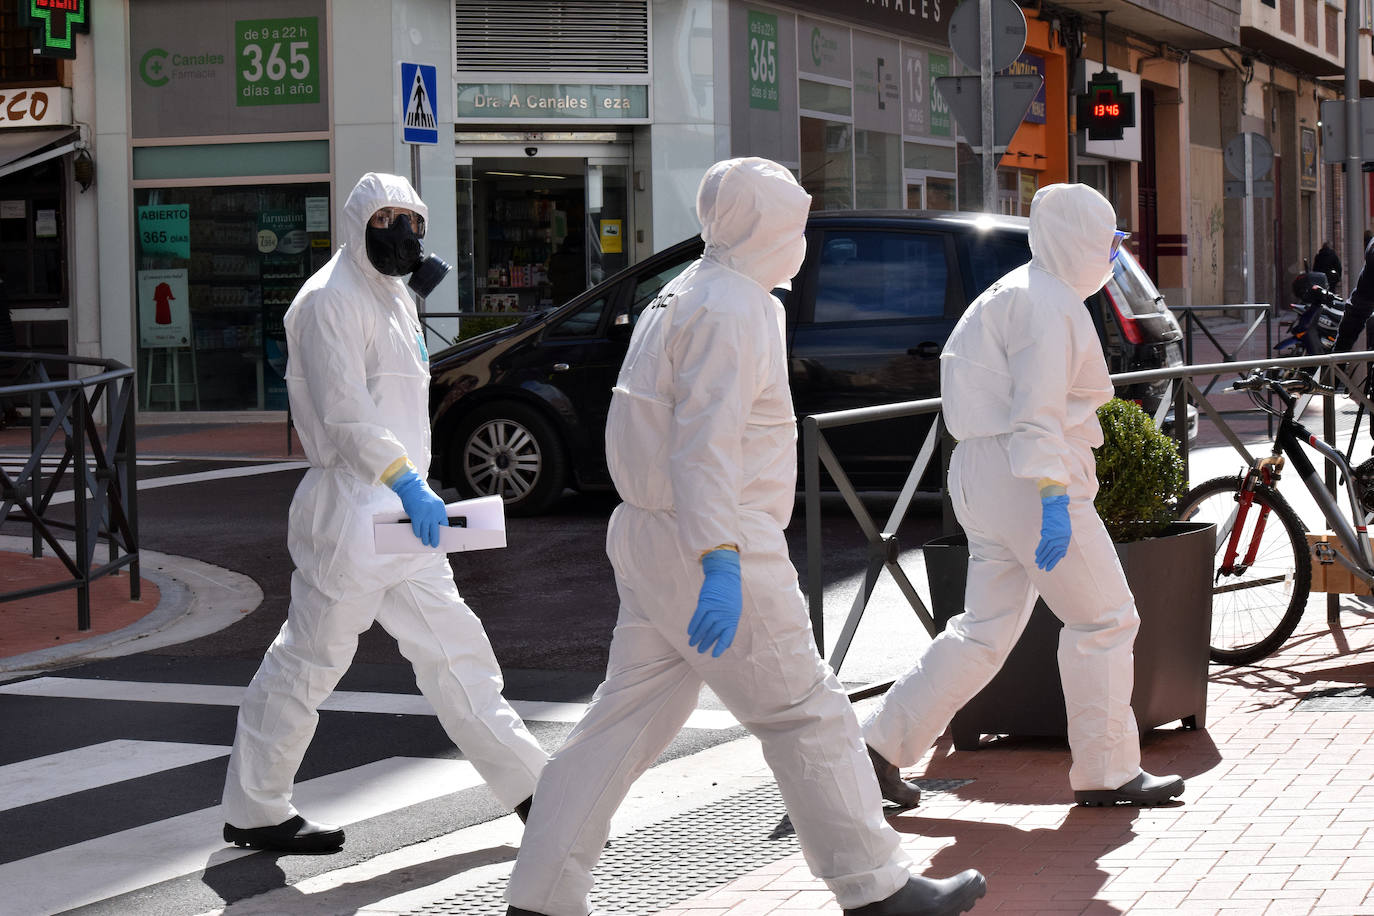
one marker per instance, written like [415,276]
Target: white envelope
[486,528]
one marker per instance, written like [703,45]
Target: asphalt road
[167,715]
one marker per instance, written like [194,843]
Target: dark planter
[1171,578]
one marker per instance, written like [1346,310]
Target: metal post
[84,548]
[1248,262]
[419,300]
[1354,178]
[989,123]
[815,584]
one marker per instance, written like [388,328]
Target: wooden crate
[1333,576]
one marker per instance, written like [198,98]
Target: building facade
[570,138]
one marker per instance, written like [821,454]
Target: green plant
[1139,473]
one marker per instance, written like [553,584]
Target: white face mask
[793,256]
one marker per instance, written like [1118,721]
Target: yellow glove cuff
[1050,487]
[733,547]
[396,469]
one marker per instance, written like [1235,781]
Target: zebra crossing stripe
[54,775]
[105,867]
[340,701]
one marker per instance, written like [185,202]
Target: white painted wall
[367,112]
[691,126]
[105,108]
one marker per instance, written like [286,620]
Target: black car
[521,411]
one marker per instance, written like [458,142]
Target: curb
[197,599]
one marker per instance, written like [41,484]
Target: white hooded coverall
[701,442]
[358,379]
[1021,379]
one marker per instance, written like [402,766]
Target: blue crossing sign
[419,115]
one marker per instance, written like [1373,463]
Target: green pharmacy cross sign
[55,24]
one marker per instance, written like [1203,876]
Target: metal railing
[101,470]
[883,547]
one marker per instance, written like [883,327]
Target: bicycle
[1263,572]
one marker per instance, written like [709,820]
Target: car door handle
[927,350]
[561,367]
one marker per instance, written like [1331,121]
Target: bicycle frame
[1288,442]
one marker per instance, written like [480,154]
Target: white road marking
[340,701]
[65,496]
[42,778]
[108,866]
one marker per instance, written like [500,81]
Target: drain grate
[683,856]
[1338,699]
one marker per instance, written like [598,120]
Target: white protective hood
[1071,229]
[374,191]
[758,231]
[1025,360]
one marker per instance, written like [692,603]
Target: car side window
[646,288]
[581,323]
[990,256]
[876,275]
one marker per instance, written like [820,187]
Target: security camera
[531,151]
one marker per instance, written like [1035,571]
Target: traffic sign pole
[1354,177]
[985,71]
[1248,262]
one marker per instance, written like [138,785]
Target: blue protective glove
[426,510]
[718,605]
[1055,531]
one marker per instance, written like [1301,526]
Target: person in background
[358,379]
[1022,376]
[1328,262]
[1361,307]
[701,444]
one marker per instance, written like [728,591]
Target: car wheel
[508,450]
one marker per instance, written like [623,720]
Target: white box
[485,529]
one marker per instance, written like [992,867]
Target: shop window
[827,155]
[940,194]
[18,63]
[877,170]
[31,234]
[825,98]
[216,269]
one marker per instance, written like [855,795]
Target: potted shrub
[1168,565]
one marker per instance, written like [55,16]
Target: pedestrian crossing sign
[419,117]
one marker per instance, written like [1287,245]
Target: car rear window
[875,275]
[991,256]
[1136,291]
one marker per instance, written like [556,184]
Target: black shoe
[294,835]
[929,897]
[890,782]
[522,810]
[1145,790]
[516,911]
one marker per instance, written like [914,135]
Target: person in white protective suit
[358,379]
[701,443]
[1021,377]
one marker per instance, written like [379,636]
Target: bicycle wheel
[1256,608]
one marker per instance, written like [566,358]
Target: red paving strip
[1278,815]
[45,621]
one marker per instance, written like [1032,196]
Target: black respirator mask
[397,250]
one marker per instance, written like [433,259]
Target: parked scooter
[1315,318]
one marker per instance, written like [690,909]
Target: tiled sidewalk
[1278,816]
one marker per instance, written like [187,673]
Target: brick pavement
[1278,817]
[45,621]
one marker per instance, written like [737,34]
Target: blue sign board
[419,113]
